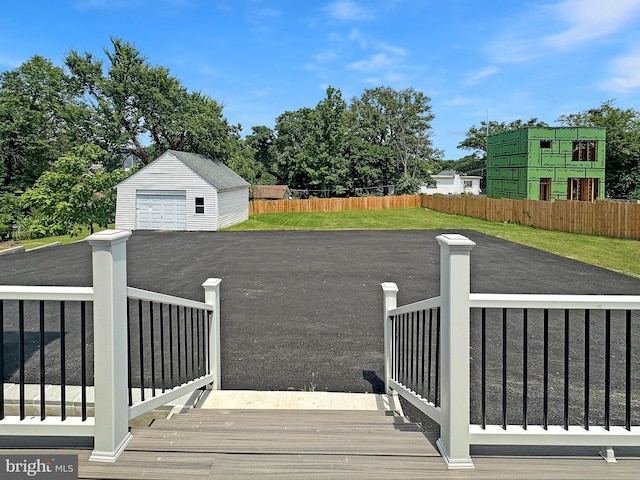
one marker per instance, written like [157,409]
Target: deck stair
[332,441]
[274,443]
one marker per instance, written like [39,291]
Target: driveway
[302,310]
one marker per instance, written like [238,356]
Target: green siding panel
[501,161]
[567,133]
[542,133]
[538,173]
[510,186]
[510,148]
[553,160]
[520,160]
[493,173]
[523,146]
[590,133]
[510,136]
[566,147]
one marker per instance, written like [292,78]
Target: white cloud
[457,100]
[475,77]
[356,36]
[586,20]
[563,26]
[348,10]
[376,62]
[626,74]
[324,57]
[392,49]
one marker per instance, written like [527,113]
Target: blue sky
[506,59]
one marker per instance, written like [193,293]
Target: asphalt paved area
[303,310]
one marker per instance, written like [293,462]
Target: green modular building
[544,163]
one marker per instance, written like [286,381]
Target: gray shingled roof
[446,173]
[213,171]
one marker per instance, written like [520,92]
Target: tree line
[66,131]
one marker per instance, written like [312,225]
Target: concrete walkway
[248,399]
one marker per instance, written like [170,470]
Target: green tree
[469,164]
[73,194]
[134,101]
[622,174]
[325,143]
[242,160]
[308,149]
[396,127]
[291,160]
[261,142]
[40,119]
[10,214]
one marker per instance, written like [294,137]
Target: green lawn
[614,254]
[39,242]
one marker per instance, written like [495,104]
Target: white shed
[182,191]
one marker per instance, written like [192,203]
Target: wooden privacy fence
[606,218]
[333,204]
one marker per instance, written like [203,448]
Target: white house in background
[449,182]
[182,191]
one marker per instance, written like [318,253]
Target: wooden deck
[294,444]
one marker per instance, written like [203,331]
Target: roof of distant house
[271,191]
[447,173]
[452,174]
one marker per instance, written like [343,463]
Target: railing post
[109,257]
[455,253]
[212,297]
[390,301]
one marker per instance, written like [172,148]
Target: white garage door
[161,211]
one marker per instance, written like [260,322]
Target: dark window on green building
[585,151]
[545,143]
[583,189]
[545,189]
[199,204]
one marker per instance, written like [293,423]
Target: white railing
[453,412]
[212,377]
[35,425]
[109,295]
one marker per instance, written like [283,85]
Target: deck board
[293,444]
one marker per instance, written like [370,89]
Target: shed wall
[233,207]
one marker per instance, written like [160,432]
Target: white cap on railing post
[455,274]
[212,297]
[390,299]
[109,257]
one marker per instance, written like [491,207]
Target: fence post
[110,334]
[390,301]
[455,253]
[212,297]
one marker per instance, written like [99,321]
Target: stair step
[295,432]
